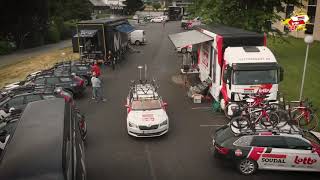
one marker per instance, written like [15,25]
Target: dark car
[73,84]
[288,149]
[46,144]
[82,70]
[19,97]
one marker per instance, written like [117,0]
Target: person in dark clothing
[111,59]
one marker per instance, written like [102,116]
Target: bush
[53,34]
[5,47]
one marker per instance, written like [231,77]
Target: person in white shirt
[96,88]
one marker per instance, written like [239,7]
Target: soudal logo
[305,160]
[273,160]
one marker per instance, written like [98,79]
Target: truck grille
[149,128]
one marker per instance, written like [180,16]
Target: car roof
[145,91]
[35,150]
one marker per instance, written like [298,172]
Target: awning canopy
[125,28]
[184,39]
[88,33]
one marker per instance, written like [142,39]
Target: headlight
[164,123]
[132,125]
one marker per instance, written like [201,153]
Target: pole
[304,72]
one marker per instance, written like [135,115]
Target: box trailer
[235,61]
[95,38]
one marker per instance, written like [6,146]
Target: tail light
[222,150]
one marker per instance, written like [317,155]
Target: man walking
[96,69]
[96,88]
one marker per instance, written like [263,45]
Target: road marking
[211,125]
[153,175]
[201,108]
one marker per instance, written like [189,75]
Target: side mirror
[313,150]
[227,75]
[281,74]
[165,104]
[127,106]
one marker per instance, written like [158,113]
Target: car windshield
[255,77]
[146,104]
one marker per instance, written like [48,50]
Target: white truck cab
[234,61]
[138,37]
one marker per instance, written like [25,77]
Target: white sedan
[146,114]
[157,20]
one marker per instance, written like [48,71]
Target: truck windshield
[255,77]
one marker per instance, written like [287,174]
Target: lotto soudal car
[146,111]
[288,149]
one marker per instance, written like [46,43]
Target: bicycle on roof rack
[143,89]
[255,109]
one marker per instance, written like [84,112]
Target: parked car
[135,17]
[287,149]
[73,84]
[146,112]
[138,37]
[47,144]
[165,17]
[18,100]
[82,70]
[157,20]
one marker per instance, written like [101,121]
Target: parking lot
[185,152]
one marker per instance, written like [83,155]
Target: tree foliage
[156,6]
[133,5]
[254,15]
[26,23]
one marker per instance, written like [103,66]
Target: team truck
[95,38]
[235,62]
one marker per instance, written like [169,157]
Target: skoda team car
[288,149]
[147,115]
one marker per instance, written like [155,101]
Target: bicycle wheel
[309,122]
[284,118]
[238,123]
[229,112]
[269,122]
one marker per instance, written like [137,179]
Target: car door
[301,154]
[272,152]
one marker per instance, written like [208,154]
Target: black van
[46,144]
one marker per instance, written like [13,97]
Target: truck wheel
[137,42]
[247,166]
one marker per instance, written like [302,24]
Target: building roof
[35,150]
[102,21]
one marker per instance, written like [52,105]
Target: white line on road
[153,175]
[211,125]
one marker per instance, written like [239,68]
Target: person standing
[96,88]
[164,23]
[111,60]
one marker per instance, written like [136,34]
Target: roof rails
[143,89]
[287,129]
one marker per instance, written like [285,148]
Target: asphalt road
[184,153]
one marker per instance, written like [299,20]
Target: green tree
[133,5]
[156,6]
[254,15]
